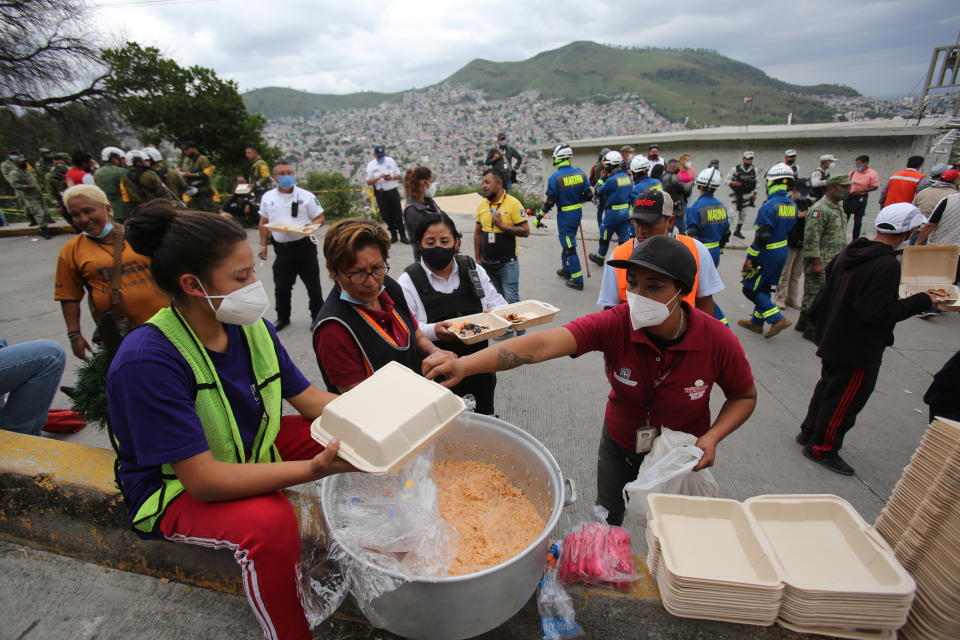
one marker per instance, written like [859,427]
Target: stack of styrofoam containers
[710,563]
[809,563]
[922,523]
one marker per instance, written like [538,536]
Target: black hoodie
[859,306]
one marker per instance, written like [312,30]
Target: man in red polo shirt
[902,186]
[662,358]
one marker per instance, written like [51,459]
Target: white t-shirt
[491,297]
[708,282]
[278,207]
[386,168]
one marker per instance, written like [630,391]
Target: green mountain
[276,102]
[698,84]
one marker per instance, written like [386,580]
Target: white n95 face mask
[244,306]
[431,190]
[645,312]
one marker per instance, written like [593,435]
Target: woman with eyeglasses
[365,321]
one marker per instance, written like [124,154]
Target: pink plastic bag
[598,554]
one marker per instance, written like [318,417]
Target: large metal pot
[456,607]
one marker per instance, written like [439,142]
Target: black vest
[747,179]
[818,192]
[376,351]
[463,301]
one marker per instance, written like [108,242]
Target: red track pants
[263,534]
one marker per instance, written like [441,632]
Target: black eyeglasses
[359,277]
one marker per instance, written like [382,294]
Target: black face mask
[437,257]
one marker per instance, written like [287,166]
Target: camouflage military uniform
[108,178]
[24,182]
[172,179]
[203,199]
[824,237]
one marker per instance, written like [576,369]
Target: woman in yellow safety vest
[195,399]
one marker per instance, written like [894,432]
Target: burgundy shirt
[707,353]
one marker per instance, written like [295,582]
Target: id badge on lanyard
[492,235]
[648,433]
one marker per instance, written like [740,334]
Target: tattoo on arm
[507,360]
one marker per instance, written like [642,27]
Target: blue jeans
[30,373]
[506,281]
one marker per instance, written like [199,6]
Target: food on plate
[940,293]
[494,519]
[468,329]
[515,318]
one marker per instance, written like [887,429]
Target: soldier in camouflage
[23,179]
[823,238]
[55,183]
[197,170]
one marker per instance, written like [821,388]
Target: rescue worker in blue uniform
[615,193]
[707,221]
[568,188]
[768,253]
[640,170]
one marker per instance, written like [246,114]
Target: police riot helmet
[640,164]
[562,152]
[709,178]
[110,152]
[612,159]
[153,153]
[135,154]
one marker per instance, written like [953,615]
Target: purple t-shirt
[152,391]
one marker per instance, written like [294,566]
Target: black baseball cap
[664,255]
[651,205]
[379,151]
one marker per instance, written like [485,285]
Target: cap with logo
[379,151]
[843,180]
[664,255]
[899,217]
[651,206]
[790,153]
[748,155]
[827,156]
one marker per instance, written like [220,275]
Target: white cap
[899,217]
[748,154]
[790,152]
[827,156]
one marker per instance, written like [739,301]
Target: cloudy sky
[879,48]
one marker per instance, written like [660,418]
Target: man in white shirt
[383,175]
[296,254]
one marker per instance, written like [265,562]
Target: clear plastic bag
[668,468]
[557,618]
[383,531]
[598,554]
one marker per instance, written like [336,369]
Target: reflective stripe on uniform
[908,178]
[711,245]
[753,253]
[571,207]
[777,245]
[568,241]
[771,312]
[578,274]
[617,207]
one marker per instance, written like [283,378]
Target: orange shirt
[87,265]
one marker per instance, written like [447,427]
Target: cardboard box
[931,267]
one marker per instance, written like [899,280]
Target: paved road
[561,402]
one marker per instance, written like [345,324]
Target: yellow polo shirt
[497,244]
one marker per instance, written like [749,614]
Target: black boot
[801,322]
[563,273]
[739,231]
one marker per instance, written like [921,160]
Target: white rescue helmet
[135,154]
[613,158]
[709,178]
[562,152]
[152,153]
[780,171]
[640,164]
[110,152]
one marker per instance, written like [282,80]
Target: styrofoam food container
[931,267]
[846,548]
[378,433]
[734,553]
[498,326]
[289,227]
[535,312]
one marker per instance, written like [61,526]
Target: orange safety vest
[623,253]
[902,186]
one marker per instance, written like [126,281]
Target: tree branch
[46,103]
